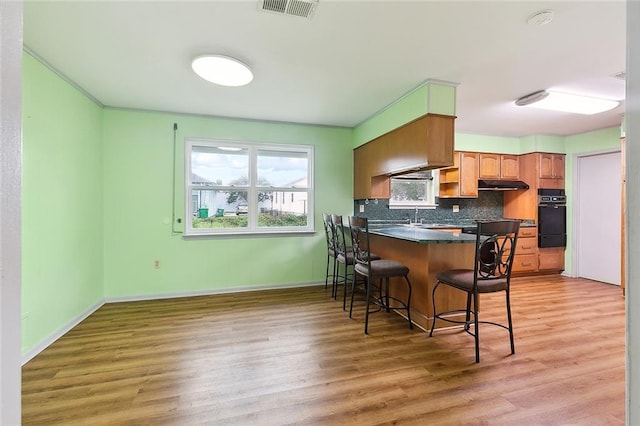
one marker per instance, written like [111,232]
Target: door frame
[575,201]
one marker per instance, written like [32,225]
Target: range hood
[501,185]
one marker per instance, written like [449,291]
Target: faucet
[416,216]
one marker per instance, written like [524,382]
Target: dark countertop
[422,235]
[444,224]
[428,233]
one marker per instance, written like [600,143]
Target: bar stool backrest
[495,249]
[359,230]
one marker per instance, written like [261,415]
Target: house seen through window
[414,189]
[238,188]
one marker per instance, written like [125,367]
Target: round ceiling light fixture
[222,70]
[542,17]
[532,98]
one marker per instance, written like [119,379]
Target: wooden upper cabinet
[551,166]
[558,166]
[426,142]
[468,174]
[361,174]
[498,166]
[460,180]
[509,166]
[489,166]
[550,170]
[365,184]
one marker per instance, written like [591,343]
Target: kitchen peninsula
[426,252]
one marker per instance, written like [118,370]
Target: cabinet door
[558,166]
[439,137]
[361,175]
[545,166]
[551,166]
[551,258]
[460,180]
[489,166]
[468,174]
[509,167]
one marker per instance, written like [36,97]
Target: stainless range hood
[501,185]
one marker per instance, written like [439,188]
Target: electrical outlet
[456,208]
[361,208]
[156,264]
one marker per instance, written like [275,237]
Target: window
[414,189]
[245,188]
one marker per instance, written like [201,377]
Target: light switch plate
[456,208]
[361,208]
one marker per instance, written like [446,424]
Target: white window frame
[252,188]
[429,203]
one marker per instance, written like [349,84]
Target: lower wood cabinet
[526,258]
[551,259]
[525,263]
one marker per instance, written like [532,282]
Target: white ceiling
[350,60]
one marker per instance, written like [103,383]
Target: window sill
[412,206]
[248,234]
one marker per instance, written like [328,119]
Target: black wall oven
[552,218]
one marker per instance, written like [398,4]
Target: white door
[598,217]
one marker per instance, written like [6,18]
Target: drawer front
[528,232]
[525,263]
[527,246]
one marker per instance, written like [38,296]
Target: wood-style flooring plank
[293,356]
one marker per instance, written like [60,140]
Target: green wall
[138,164]
[98,201]
[432,96]
[61,204]
[481,143]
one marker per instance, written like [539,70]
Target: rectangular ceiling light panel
[566,102]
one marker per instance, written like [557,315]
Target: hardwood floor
[294,357]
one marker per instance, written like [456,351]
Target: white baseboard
[28,356]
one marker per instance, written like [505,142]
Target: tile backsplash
[488,205]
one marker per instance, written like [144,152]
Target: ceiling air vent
[300,8]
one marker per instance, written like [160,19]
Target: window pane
[219,209]
[282,169]
[408,190]
[244,187]
[219,166]
[282,208]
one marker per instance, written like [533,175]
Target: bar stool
[496,243]
[373,269]
[344,256]
[331,251]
